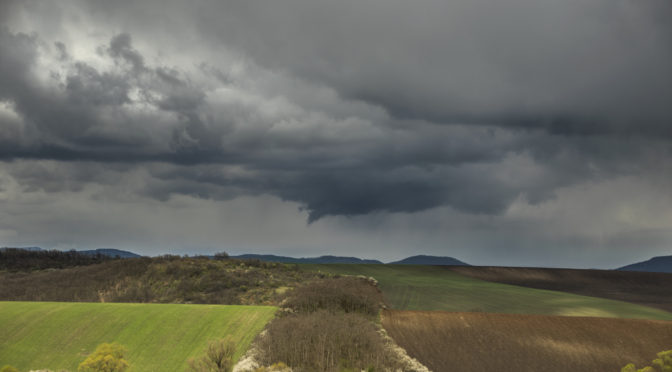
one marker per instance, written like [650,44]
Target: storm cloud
[349,109]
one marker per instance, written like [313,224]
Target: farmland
[446,341]
[158,337]
[409,287]
[649,289]
[489,325]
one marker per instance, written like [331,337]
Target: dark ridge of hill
[660,264]
[24,248]
[20,259]
[644,288]
[429,260]
[110,252]
[312,260]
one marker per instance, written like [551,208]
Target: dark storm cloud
[347,108]
[571,67]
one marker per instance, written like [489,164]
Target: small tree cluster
[221,256]
[661,364]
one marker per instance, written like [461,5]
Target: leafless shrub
[218,357]
[342,294]
[326,341]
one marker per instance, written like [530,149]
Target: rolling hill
[158,337]
[416,287]
[643,288]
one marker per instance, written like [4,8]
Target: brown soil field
[446,341]
[649,289]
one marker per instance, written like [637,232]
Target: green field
[158,337]
[411,287]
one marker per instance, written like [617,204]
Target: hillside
[512,343]
[166,279]
[157,337]
[414,287]
[648,289]
[429,260]
[661,264]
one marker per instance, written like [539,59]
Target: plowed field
[446,341]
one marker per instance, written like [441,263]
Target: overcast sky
[513,132]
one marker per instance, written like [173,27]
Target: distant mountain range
[316,260]
[661,264]
[413,260]
[430,260]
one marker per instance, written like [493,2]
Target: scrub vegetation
[165,279]
[329,325]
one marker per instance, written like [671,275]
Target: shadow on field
[643,288]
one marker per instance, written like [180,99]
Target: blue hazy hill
[430,260]
[660,264]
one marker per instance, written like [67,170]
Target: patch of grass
[158,337]
[411,287]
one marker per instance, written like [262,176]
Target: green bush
[661,364]
[8,369]
[106,358]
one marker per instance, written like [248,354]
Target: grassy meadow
[411,287]
[158,337]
